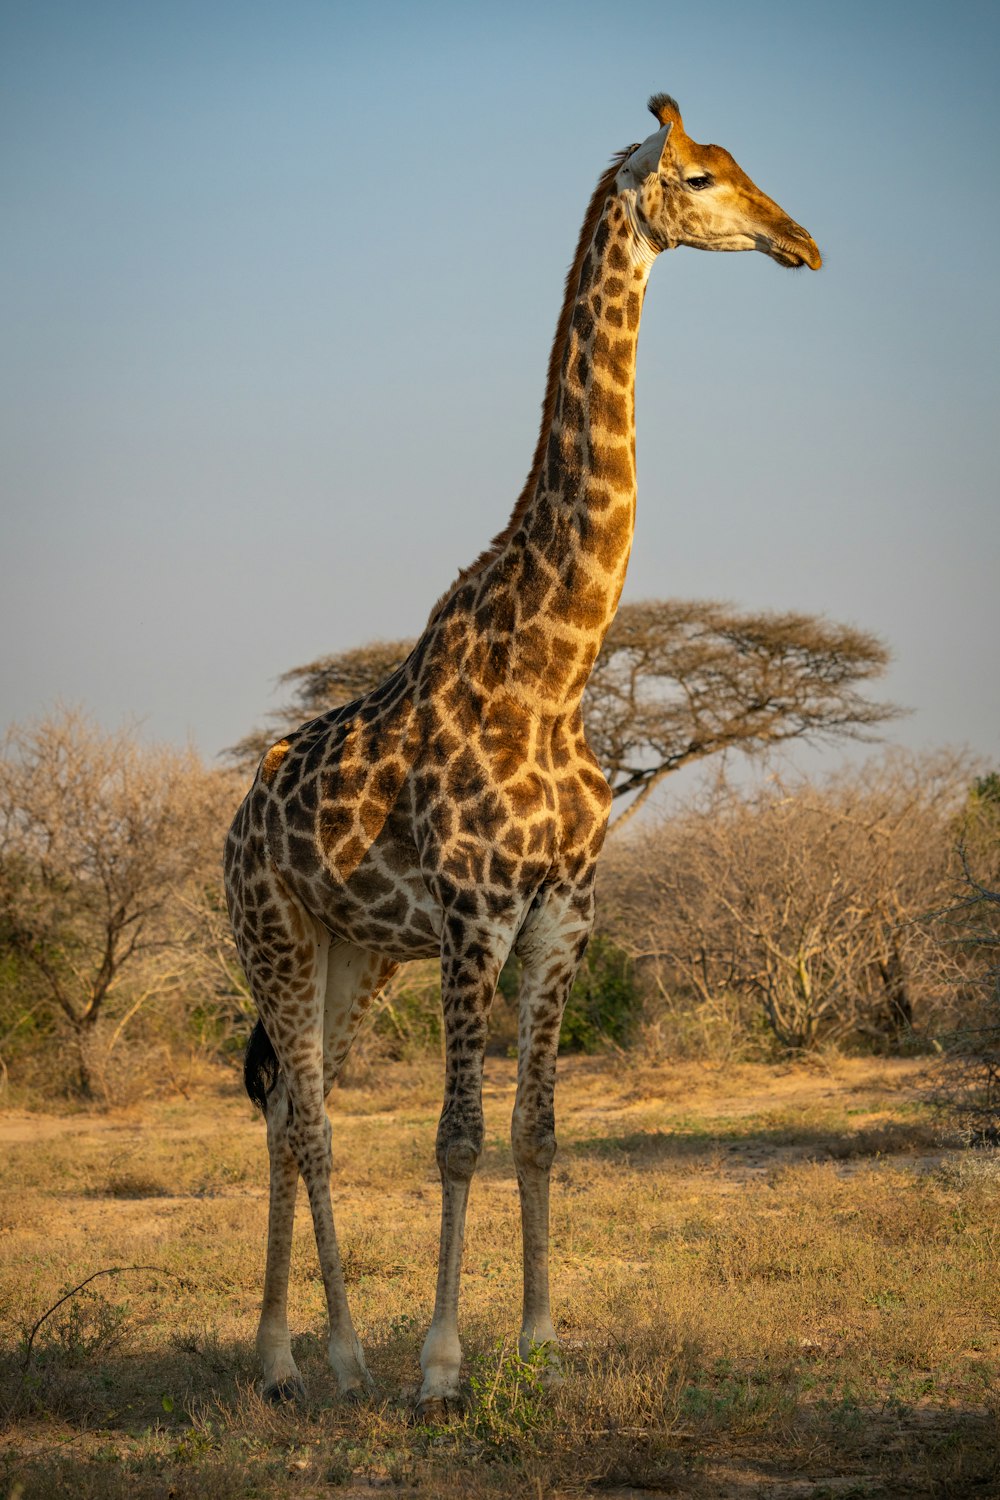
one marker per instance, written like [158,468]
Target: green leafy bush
[603,1002]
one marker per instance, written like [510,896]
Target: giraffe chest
[424,812]
[503,824]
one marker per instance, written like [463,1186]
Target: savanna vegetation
[769,1281]
[774,1249]
[768,918]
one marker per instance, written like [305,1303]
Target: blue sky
[277,287]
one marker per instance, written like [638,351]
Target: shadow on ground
[186,1422]
[762,1146]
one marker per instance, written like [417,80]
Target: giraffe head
[694,195]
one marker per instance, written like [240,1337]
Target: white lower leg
[467,986]
[550,949]
[347,1359]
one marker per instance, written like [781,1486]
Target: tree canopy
[98,832]
[676,681]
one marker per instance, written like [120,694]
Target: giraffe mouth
[796,253]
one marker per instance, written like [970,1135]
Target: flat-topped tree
[679,680]
[676,680]
[457,809]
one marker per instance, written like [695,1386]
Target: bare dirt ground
[769,1282]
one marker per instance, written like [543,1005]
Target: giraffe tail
[260,1067]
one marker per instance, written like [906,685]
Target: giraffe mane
[594,210]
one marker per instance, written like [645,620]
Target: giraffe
[457,810]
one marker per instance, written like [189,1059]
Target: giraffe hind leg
[354,978]
[288,973]
[282,1381]
[551,949]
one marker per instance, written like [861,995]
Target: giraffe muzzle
[795,248]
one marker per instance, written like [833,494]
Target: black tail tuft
[260,1067]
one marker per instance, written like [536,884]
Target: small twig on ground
[107,1271]
[29,1346]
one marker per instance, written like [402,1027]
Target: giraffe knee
[534,1149]
[459,1144]
[460,1159]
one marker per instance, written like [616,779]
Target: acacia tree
[98,832]
[675,681]
[328,682]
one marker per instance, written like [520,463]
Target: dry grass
[768,1283]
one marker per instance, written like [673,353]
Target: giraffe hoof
[357,1395]
[285,1392]
[438,1411]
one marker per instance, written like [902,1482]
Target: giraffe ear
[646,159]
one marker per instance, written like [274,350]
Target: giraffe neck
[555,586]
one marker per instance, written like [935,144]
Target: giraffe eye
[698,183]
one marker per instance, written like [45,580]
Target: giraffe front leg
[467,990]
[551,949]
[458,1147]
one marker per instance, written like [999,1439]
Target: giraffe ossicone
[457,810]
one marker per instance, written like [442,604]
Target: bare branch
[107,1271]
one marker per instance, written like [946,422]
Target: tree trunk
[899,1007]
[90,1075]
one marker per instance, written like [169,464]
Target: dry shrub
[790,911]
[109,855]
[964,1085]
